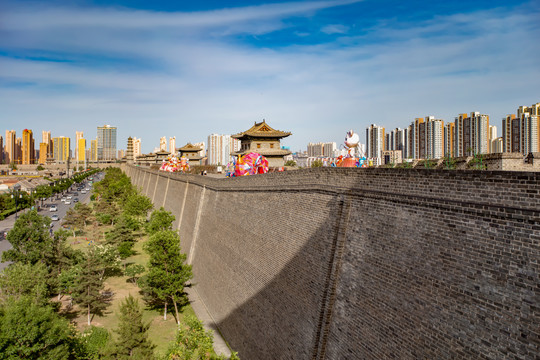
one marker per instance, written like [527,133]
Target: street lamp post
[16,194]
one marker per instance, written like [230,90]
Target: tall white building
[321,149]
[172,145]
[471,134]
[136,147]
[163,143]
[375,143]
[434,138]
[106,142]
[399,140]
[220,148]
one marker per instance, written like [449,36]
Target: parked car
[55,217]
[68,202]
[53,208]
[83,191]
[63,199]
[68,197]
[76,200]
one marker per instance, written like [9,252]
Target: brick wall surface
[364,263]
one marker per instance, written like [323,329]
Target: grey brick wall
[364,263]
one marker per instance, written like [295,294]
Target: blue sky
[315,68]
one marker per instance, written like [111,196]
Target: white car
[83,191]
[68,202]
[68,197]
[55,217]
[53,208]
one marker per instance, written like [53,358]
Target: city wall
[335,263]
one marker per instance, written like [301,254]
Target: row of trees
[45,266]
[8,202]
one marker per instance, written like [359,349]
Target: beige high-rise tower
[46,138]
[9,156]
[27,146]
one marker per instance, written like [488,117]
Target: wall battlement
[335,263]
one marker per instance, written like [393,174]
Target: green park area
[109,285]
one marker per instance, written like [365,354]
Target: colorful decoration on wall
[351,142]
[173,164]
[249,164]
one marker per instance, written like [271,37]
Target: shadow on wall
[285,320]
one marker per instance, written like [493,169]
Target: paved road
[7,223]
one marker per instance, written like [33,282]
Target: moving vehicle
[76,200]
[55,217]
[83,191]
[53,208]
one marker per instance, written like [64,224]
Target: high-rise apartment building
[93,150]
[106,143]
[163,143]
[521,133]
[9,156]
[43,153]
[78,135]
[81,150]
[61,149]
[1,149]
[449,133]
[375,137]
[434,146]
[321,149]
[399,140]
[416,137]
[507,132]
[27,147]
[426,139]
[471,134]
[18,151]
[172,145]
[136,148]
[47,139]
[315,149]
[492,136]
[220,148]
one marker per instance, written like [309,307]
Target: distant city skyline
[314,68]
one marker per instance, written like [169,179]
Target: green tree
[133,342]
[31,331]
[61,257]
[19,280]
[137,205]
[95,341]
[30,239]
[159,220]
[133,270]
[88,290]
[317,163]
[40,167]
[43,192]
[290,163]
[122,236]
[194,343]
[167,272]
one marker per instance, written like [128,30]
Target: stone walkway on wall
[220,346]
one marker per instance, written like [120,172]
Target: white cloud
[194,81]
[335,29]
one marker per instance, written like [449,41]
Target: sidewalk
[220,346]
